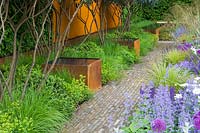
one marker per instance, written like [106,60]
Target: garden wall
[83,22]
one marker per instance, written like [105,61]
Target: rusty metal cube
[88,67]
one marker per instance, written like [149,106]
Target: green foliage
[175,56]
[161,74]
[6,47]
[33,114]
[147,42]
[86,50]
[25,39]
[66,96]
[117,58]
[165,33]
[78,91]
[128,35]
[110,70]
[189,14]
[114,57]
[157,10]
[56,92]
[46,110]
[137,124]
[152,26]
[142,23]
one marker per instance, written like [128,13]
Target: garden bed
[170,102]
[90,68]
[131,43]
[154,29]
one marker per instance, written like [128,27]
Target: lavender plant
[164,111]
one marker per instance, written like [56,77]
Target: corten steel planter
[154,29]
[2,60]
[88,67]
[131,43]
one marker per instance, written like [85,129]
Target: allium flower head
[158,125]
[196,120]
[198,52]
[187,45]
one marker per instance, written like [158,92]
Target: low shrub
[33,114]
[109,72]
[85,50]
[66,96]
[45,110]
[165,33]
[147,42]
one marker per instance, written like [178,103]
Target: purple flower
[179,31]
[158,125]
[182,47]
[196,120]
[141,92]
[198,51]
[152,92]
[172,93]
[187,45]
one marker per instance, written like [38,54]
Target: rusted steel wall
[84,22]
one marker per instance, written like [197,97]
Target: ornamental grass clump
[170,75]
[188,17]
[175,56]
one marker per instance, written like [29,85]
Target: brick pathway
[92,116]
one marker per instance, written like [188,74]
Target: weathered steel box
[2,60]
[131,43]
[88,67]
[154,29]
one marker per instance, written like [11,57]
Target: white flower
[197,78]
[117,130]
[195,82]
[196,90]
[183,85]
[194,50]
[186,127]
[178,96]
[198,98]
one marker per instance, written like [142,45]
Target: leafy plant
[109,72]
[63,94]
[165,33]
[78,91]
[33,114]
[137,124]
[128,35]
[86,50]
[147,42]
